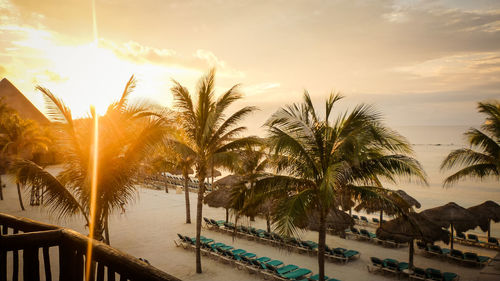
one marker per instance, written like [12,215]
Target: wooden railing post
[3,256]
[46,264]
[15,264]
[31,264]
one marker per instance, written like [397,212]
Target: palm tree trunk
[268,223]
[186,195]
[1,188]
[451,236]
[106,231]
[321,246]
[20,196]
[489,229]
[381,218]
[227,215]
[199,213]
[410,258]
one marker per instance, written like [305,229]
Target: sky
[419,62]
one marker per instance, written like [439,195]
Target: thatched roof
[485,212]
[410,200]
[373,206]
[461,218]
[336,219]
[218,198]
[216,173]
[412,226]
[16,100]
[178,171]
[228,181]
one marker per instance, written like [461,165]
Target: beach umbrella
[409,227]
[452,215]
[219,198]
[408,199]
[401,198]
[228,181]
[336,219]
[485,213]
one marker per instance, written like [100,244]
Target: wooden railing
[69,249]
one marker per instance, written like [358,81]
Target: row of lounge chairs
[271,238]
[473,240]
[468,258]
[397,268]
[364,234]
[269,268]
[364,220]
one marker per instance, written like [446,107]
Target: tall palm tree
[126,136]
[211,135]
[319,158]
[20,138]
[482,159]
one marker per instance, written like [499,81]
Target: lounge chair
[273,265]
[355,217]
[309,245]
[473,258]
[460,236]
[296,274]
[391,265]
[435,274]
[435,249]
[418,274]
[473,239]
[345,254]
[285,269]
[376,264]
[367,234]
[456,255]
[363,219]
[260,262]
[316,278]
[375,220]
[492,241]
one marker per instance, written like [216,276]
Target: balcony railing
[31,237]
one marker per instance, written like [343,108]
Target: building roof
[16,100]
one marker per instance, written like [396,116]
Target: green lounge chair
[375,220]
[296,274]
[435,249]
[419,274]
[376,264]
[261,262]
[475,259]
[390,265]
[492,241]
[355,217]
[285,269]
[456,255]
[367,234]
[472,238]
[316,278]
[273,265]
[460,236]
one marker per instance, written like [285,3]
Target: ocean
[431,145]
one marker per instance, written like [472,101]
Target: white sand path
[149,226]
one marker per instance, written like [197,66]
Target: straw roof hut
[228,181]
[219,198]
[16,100]
[336,219]
[485,213]
[401,198]
[409,227]
[452,215]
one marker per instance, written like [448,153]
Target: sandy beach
[148,228]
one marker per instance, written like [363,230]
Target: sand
[149,226]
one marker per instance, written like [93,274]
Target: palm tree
[482,159]
[20,138]
[210,135]
[316,159]
[126,136]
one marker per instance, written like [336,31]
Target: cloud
[3,71]
[201,60]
